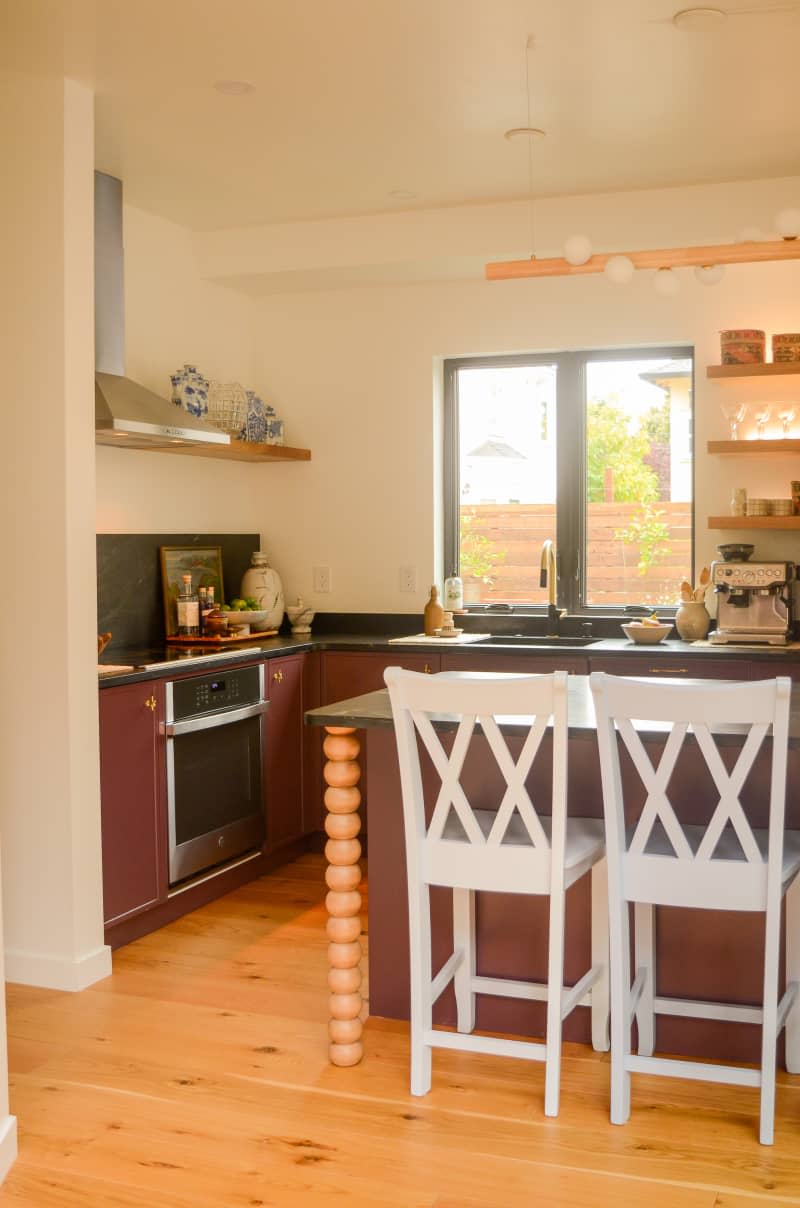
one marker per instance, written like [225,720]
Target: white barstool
[513,849]
[725,864]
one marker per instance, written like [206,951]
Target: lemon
[238,605]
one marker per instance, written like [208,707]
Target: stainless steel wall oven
[215,741]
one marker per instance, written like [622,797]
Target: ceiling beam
[670,257]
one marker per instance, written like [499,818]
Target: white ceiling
[357,99]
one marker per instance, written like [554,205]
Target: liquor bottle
[205,608]
[188,610]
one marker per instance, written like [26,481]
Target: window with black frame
[590,449]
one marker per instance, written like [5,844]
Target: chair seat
[515,865]
[728,847]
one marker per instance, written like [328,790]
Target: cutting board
[420,639]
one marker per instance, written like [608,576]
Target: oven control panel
[200,694]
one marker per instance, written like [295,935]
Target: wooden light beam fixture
[671,257]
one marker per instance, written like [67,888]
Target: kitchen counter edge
[284,645]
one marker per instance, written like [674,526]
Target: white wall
[354,372]
[173,316]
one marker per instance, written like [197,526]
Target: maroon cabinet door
[346,674]
[133,799]
[676,665]
[528,664]
[283,750]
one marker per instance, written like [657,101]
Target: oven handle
[212,721]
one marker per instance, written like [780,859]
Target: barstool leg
[769,1022]
[793,974]
[555,991]
[464,938]
[599,992]
[645,957]
[419,919]
[620,966]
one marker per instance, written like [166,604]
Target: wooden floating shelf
[237,450]
[748,447]
[754,522]
[761,369]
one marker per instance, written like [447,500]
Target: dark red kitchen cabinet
[133,799]
[533,663]
[313,805]
[346,674]
[283,750]
[677,666]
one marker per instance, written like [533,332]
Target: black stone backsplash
[130,603]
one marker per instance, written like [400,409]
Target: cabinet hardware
[428,669]
[150,703]
[277,677]
[669,670]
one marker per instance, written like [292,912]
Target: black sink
[532,639]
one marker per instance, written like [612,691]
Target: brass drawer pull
[669,670]
[428,669]
[150,704]
[277,677]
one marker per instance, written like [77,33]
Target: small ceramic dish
[447,633]
[646,635]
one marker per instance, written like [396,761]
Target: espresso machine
[754,602]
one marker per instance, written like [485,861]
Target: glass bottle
[454,593]
[188,610]
[204,607]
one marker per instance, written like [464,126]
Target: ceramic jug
[263,583]
[692,620]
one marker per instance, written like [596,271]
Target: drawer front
[675,666]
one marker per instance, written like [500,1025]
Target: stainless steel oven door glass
[214,737]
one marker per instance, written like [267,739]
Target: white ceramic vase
[263,583]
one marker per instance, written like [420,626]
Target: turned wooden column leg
[343,876]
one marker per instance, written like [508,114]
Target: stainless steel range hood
[126,414]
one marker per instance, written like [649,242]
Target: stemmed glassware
[734,414]
[786,414]
[761,414]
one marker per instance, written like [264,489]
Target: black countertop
[160,661]
[373,709]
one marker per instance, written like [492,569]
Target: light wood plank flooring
[196,1077]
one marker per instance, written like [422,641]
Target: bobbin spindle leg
[343,876]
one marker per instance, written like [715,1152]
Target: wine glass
[734,414]
[786,414]
[761,414]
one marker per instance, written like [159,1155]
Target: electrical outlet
[408,578]
[322,578]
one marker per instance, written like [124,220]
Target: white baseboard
[8,1144]
[57,972]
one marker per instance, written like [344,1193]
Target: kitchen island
[708,955]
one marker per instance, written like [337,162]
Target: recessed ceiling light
[699,20]
[234,87]
[532,132]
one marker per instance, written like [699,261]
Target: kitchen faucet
[547,578]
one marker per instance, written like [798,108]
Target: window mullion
[570,476]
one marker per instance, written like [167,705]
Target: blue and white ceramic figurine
[190,391]
[255,430]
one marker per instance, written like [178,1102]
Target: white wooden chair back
[470,855]
[659,859]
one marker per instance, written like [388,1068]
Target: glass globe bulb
[619,270]
[666,283]
[709,274]
[577,249]
[787,223]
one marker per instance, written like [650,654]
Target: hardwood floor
[196,1077]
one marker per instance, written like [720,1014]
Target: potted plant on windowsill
[477,560]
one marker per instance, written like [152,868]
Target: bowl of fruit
[245,611]
[647,632]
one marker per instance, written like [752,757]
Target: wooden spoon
[686,591]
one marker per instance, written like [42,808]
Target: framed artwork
[203,563]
